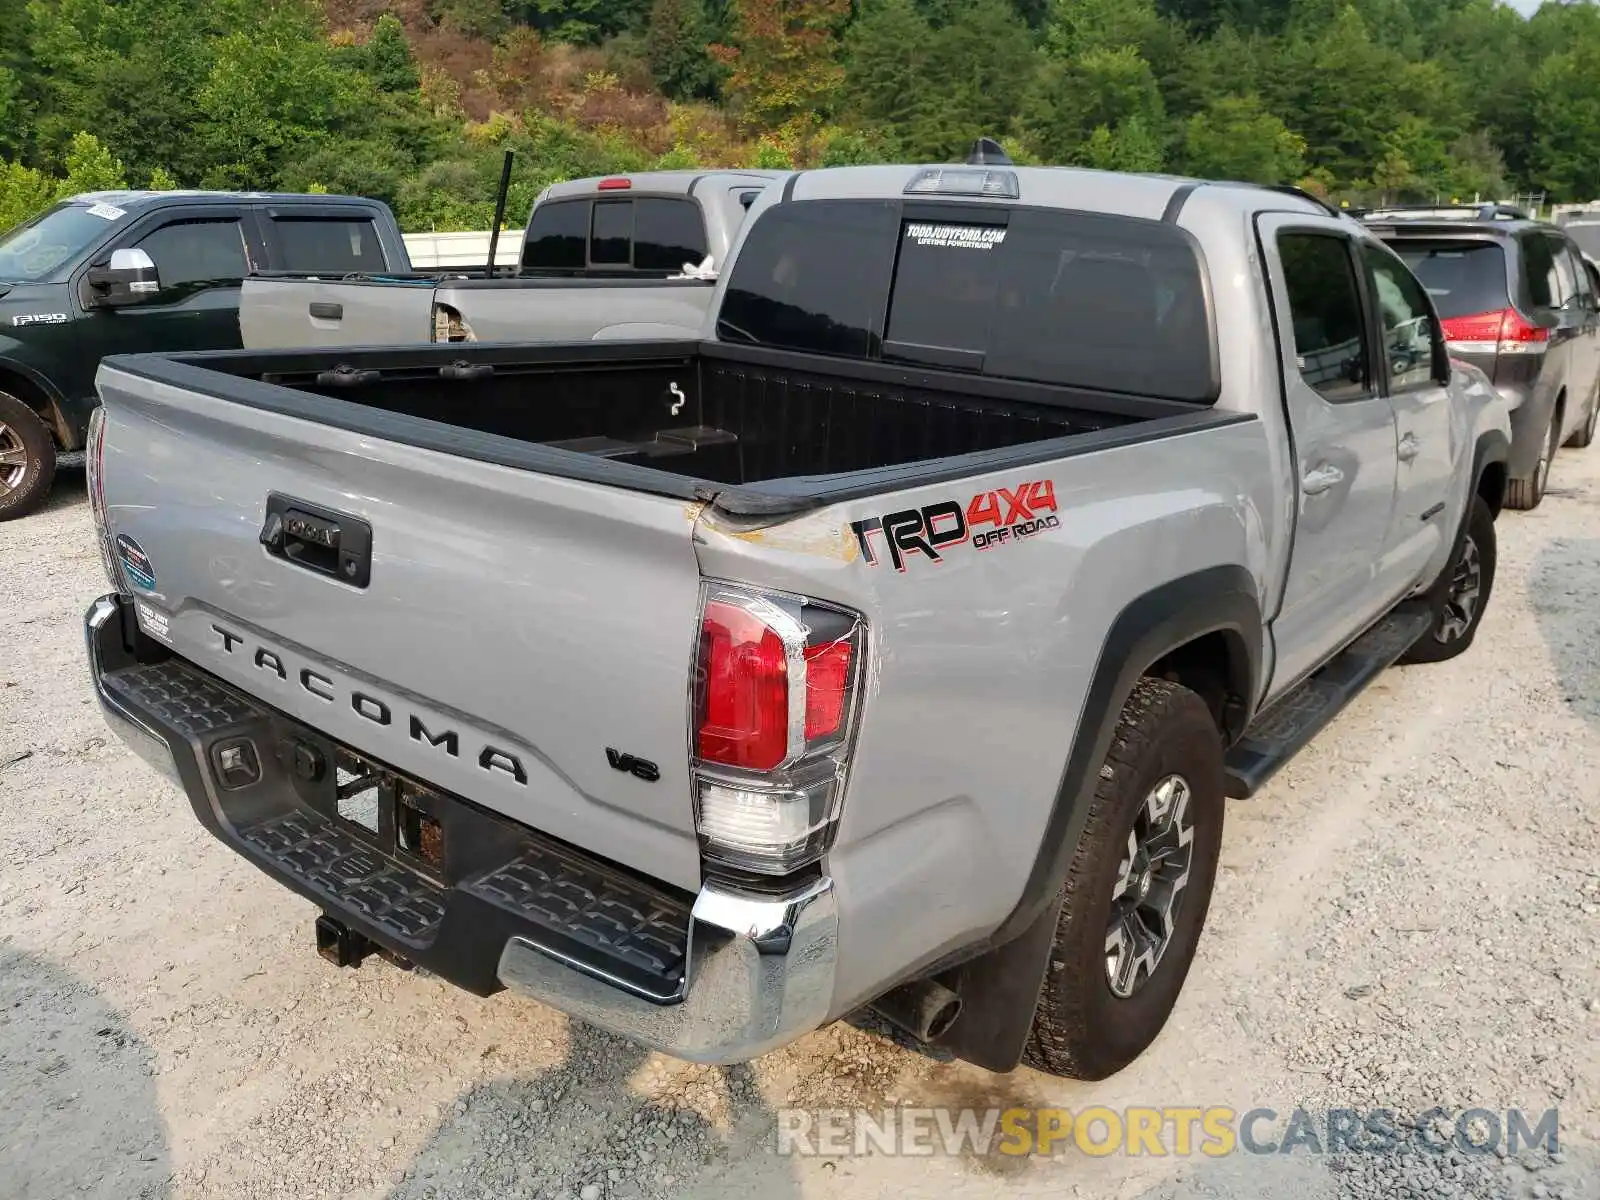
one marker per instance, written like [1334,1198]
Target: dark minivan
[1517,298]
[125,272]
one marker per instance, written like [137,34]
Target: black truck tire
[1526,494]
[1460,597]
[1125,869]
[27,458]
[1584,434]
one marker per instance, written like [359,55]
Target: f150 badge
[39,319]
[987,520]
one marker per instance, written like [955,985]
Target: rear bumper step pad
[495,880]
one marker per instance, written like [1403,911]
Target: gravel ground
[1409,916]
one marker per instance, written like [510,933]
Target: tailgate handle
[327,311]
[319,539]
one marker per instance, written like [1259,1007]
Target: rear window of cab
[1084,300]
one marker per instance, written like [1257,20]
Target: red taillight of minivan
[777,679]
[1503,331]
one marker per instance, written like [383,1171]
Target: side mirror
[130,278]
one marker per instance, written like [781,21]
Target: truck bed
[759,430]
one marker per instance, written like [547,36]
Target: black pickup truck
[120,272]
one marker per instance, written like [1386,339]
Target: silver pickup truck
[896,643]
[601,258]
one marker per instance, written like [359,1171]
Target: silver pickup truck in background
[600,258]
[895,643]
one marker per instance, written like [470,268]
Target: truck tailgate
[286,313]
[546,623]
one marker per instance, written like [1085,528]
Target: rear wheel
[1135,897]
[1462,594]
[27,458]
[1585,433]
[1525,494]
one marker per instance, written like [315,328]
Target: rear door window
[1325,314]
[558,237]
[1109,303]
[331,245]
[1463,278]
[1541,281]
[649,234]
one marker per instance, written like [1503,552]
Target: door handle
[326,311]
[1318,481]
[1409,447]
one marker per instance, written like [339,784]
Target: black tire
[1081,1028]
[24,484]
[1585,432]
[1472,562]
[1526,494]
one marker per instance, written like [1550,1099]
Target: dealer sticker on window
[959,237]
[107,212]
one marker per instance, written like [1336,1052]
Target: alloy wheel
[1150,883]
[1466,587]
[13,459]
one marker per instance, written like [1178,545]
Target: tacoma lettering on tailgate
[987,520]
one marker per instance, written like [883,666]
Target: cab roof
[1155,197]
[681,183]
[134,198]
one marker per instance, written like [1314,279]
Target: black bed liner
[757,431]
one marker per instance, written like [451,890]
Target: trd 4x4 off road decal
[988,520]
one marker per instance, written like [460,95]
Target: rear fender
[999,988]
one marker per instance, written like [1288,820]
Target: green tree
[91,167]
[389,57]
[1101,88]
[1237,138]
[888,83]
[24,193]
[271,95]
[1564,104]
[1129,147]
[783,61]
[675,40]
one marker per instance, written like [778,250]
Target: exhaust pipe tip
[924,1008]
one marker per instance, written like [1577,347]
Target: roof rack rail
[1445,212]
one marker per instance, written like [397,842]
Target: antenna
[988,152]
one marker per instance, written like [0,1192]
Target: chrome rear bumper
[760,974]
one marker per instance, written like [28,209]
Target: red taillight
[1479,327]
[772,725]
[1504,330]
[827,688]
[1515,328]
[761,660]
[615,185]
[745,713]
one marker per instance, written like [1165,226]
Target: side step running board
[1283,730]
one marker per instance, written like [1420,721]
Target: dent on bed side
[809,533]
